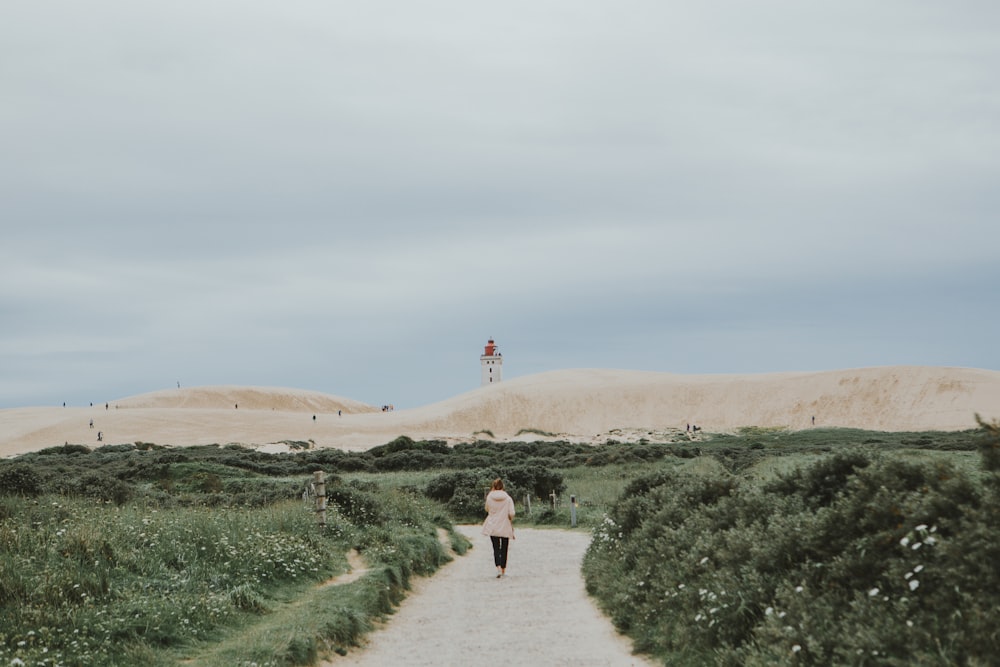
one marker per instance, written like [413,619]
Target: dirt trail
[539,614]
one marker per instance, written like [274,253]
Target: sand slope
[587,405]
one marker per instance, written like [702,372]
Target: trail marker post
[572,511]
[319,482]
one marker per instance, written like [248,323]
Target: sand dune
[586,405]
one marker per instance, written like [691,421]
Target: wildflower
[921,528]
[703,560]
[914,584]
[917,545]
[796,648]
[909,623]
[798,589]
[905,541]
[873,592]
[918,568]
[769,611]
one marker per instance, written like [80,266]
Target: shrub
[63,450]
[464,491]
[819,484]
[853,560]
[103,487]
[360,507]
[19,479]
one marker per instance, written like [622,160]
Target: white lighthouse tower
[492,364]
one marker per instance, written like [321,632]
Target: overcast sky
[353,197]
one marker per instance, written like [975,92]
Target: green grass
[86,582]
[208,556]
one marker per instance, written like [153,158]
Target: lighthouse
[492,364]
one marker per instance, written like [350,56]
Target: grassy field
[143,554]
[154,581]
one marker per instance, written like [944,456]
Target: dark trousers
[500,545]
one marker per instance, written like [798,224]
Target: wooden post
[572,511]
[319,481]
[527,504]
[552,498]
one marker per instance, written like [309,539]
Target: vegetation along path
[539,614]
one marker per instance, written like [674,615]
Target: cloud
[310,194]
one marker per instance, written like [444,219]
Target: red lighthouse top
[490,348]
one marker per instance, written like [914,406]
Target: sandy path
[539,614]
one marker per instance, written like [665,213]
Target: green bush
[18,479]
[103,487]
[464,492]
[359,507]
[857,559]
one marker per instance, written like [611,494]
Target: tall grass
[86,582]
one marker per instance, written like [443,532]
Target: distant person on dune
[499,524]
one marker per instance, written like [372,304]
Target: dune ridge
[583,405]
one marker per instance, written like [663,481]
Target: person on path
[499,524]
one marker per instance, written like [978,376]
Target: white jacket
[500,507]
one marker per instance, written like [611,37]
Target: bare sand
[540,614]
[582,405]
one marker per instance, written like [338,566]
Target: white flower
[703,560]
[798,589]
[909,624]
[930,539]
[907,575]
[873,592]
[918,568]
[914,584]
[769,611]
[905,541]
[796,648]
[921,528]
[917,545]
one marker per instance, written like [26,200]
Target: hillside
[587,405]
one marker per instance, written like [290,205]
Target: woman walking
[498,524]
